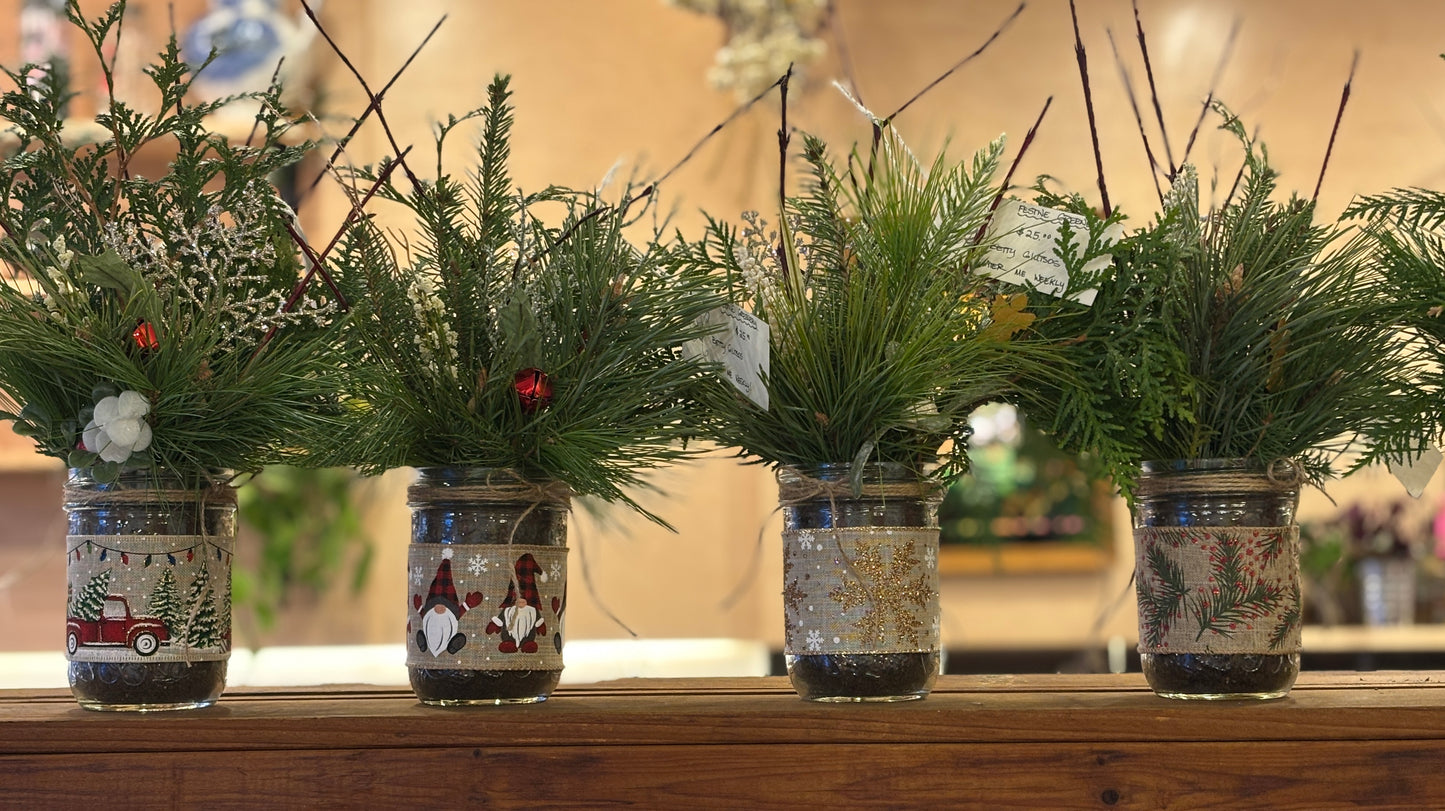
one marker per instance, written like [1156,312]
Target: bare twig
[1213,86]
[845,56]
[1154,170]
[964,61]
[1008,177]
[1153,91]
[1335,130]
[374,104]
[1083,60]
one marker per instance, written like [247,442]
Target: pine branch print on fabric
[1162,591]
[1235,596]
[1218,589]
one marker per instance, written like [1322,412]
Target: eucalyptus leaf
[108,271]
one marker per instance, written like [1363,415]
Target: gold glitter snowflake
[886,592]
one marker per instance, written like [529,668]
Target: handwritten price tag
[1025,248]
[741,346]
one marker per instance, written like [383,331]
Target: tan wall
[624,79]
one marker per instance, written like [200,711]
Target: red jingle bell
[145,336]
[534,389]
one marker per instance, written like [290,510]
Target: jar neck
[152,480]
[478,485]
[1243,476]
[838,482]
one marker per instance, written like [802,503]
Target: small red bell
[534,389]
[145,336]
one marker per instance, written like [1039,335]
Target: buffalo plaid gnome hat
[443,591]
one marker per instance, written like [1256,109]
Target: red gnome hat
[443,592]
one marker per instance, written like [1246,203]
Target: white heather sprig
[436,341]
[752,254]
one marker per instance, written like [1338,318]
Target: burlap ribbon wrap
[486,607]
[861,590]
[149,598]
[1218,589]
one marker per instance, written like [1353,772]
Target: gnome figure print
[519,619]
[440,612]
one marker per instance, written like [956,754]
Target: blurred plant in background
[309,538]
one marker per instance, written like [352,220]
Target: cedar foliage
[200,255]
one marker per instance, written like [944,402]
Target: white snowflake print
[805,543]
[814,640]
[935,628]
[416,575]
[477,565]
[930,558]
[556,570]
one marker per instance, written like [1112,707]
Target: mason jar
[148,603]
[487,574]
[1217,577]
[860,583]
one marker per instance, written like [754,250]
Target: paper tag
[741,347]
[1416,472]
[1025,250]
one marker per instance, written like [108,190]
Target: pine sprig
[498,283]
[1235,598]
[164,287]
[884,339]
[1253,330]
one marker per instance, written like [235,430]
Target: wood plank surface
[1372,739]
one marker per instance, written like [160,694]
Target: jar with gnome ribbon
[488,586]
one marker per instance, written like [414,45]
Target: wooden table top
[1051,740]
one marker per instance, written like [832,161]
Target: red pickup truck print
[116,626]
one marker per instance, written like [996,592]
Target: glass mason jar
[148,608]
[487,586]
[1217,578]
[860,583]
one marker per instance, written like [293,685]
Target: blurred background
[1037,558]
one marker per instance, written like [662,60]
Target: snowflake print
[556,572]
[886,590]
[815,640]
[416,575]
[805,543]
[930,558]
[477,566]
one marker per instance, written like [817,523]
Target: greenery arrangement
[494,339]
[1250,330]
[884,339]
[161,322]
[1408,229]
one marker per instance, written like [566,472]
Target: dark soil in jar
[1204,674]
[472,686]
[147,684]
[863,675]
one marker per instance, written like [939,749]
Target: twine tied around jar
[1279,476]
[507,489]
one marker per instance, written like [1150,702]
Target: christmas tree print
[1161,591]
[89,604]
[1236,596]
[166,603]
[204,629]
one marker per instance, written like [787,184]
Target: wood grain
[1376,740]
